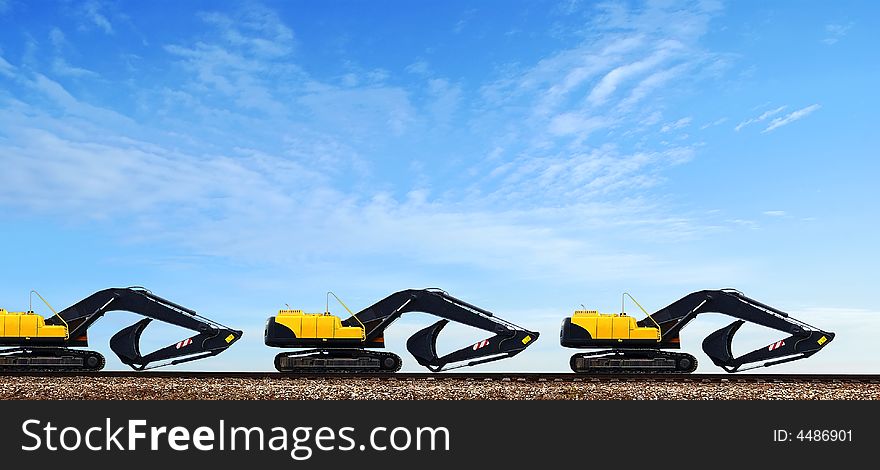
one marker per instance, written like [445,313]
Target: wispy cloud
[834,32]
[582,176]
[652,83]
[92,12]
[765,115]
[255,29]
[419,67]
[446,99]
[466,18]
[714,123]
[245,54]
[791,117]
[774,213]
[57,38]
[619,75]
[577,102]
[6,68]
[61,67]
[683,122]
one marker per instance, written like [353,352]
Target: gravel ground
[163,388]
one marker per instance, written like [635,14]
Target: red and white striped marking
[185,342]
[481,344]
[776,345]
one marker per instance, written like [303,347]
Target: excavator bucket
[126,345]
[797,346]
[423,346]
[718,345]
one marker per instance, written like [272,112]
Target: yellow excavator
[342,346]
[37,343]
[630,346]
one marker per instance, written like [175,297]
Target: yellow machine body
[591,329]
[614,327]
[318,326]
[23,326]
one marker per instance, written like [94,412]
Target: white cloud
[363,112]
[445,100]
[56,36]
[466,18]
[763,116]
[791,117]
[683,122]
[575,124]
[255,29]
[774,213]
[6,68]
[745,223]
[419,67]
[714,123]
[652,83]
[555,108]
[61,67]
[835,32]
[74,107]
[92,12]
[580,177]
[617,77]
[685,22]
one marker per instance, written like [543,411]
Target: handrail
[31,309]
[327,310]
[623,310]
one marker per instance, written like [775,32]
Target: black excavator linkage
[799,345]
[507,343]
[804,340]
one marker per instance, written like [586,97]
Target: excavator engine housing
[18,328]
[589,328]
[294,329]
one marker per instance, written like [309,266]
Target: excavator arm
[508,339]
[211,338]
[803,342]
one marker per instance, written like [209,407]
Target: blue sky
[528,157]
